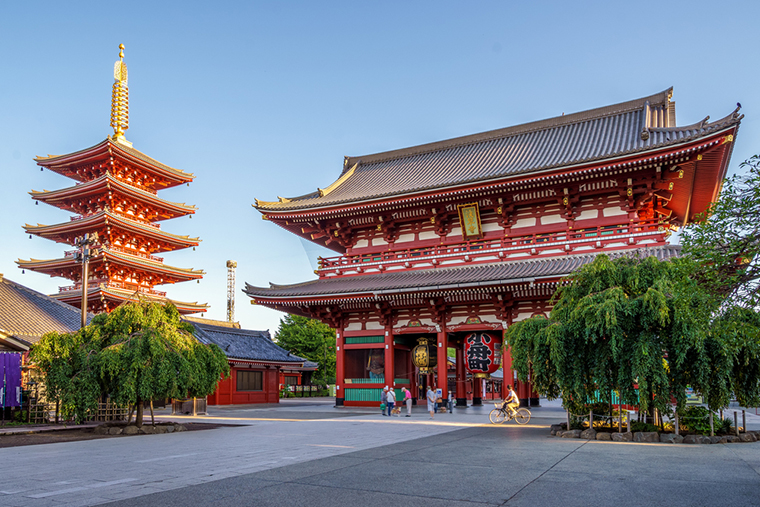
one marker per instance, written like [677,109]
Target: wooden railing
[514,243]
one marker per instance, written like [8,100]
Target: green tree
[631,322]
[139,352]
[725,240]
[310,339]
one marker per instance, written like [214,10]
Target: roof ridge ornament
[120,100]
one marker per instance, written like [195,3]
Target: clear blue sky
[261,99]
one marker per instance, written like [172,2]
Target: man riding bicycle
[511,402]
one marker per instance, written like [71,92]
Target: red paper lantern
[482,353]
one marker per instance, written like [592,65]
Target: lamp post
[86,252]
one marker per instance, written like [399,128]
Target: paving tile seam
[756,470]
[405,495]
[637,476]
[544,472]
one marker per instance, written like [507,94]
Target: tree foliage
[139,352]
[310,339]
[725,240]
[644,328]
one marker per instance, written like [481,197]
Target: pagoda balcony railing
[140,221]
[106,283]
[136,253]
[490,246]
[72,253]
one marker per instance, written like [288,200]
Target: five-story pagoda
[115,196]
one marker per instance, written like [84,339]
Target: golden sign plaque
[469,217]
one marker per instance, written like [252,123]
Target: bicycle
[501,413]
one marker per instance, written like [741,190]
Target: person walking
[383,400]
[391,401]
[408,401]
[431,400]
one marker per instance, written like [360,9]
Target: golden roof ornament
[120,100]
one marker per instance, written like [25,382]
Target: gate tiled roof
[565,141]
[426,280]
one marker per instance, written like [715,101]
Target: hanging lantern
[424,356]
[482,353]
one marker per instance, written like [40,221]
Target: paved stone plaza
[296,454]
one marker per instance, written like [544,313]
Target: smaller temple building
[26,315]
[257,364]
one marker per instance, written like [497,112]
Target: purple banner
[10,379]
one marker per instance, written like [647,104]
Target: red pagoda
[469,235]
[115,196]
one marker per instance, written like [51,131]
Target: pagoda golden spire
[120,99]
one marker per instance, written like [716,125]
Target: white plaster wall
[522,316]
[428,235]
[552,219]
[588,215]
[525,222]
[491,227]
[403,238]
[615,211]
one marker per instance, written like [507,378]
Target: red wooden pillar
[533,395]
[506,367]
[443,374]
[461,376]
[477,391]
[412,378]
[339,368]
[389,373]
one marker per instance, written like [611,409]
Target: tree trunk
[131,411]
[152,420]
[139,416]
[57,406]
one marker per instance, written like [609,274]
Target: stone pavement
[300,453]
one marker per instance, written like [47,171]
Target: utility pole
[231,265]
[86,252]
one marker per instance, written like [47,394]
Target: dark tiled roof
[244,343]
[593,135]
[27,314]
[447,278]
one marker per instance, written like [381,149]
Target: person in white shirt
[391,400]
[512,401]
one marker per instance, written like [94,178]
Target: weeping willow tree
[139,352]
[643,328]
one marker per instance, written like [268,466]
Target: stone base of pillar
[339,402]
[462,402]
[524,403]
[477,402]
[534,402]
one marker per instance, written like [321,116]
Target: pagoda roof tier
[112,193]
[103,221]
[115,157]
[106,298]
[109,263]
[390,285]
[572,142]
